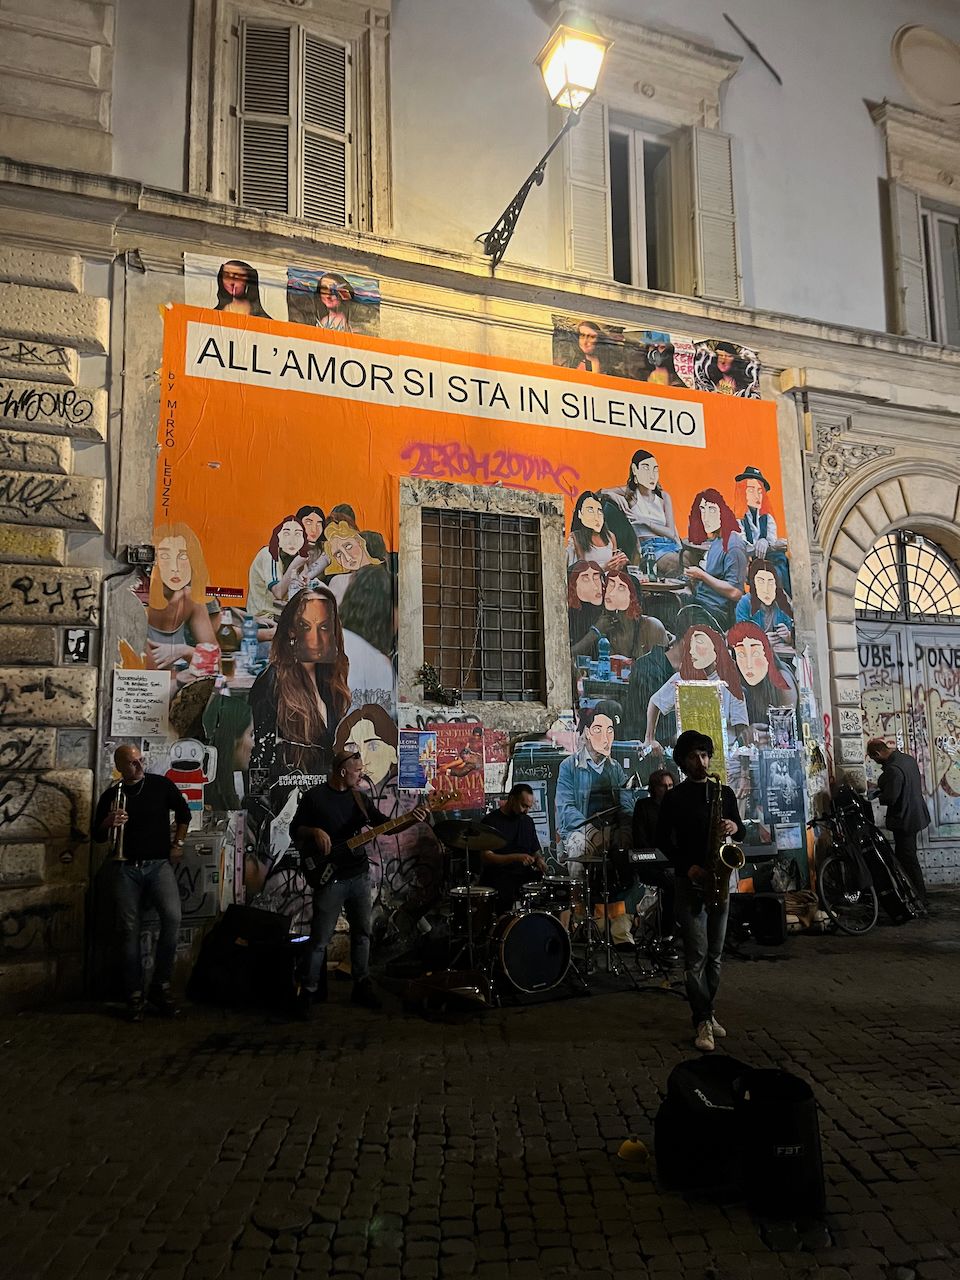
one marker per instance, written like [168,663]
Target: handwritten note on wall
[140,701]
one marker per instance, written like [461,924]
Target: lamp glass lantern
[571,61]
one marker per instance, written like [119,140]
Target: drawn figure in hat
[751,505]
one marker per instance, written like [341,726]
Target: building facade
[800,210]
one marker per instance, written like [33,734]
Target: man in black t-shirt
[145,878]
[684,836]
[508,869]
[326,817]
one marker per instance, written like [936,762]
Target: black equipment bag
[247,959]
[779,1136]
[695,1131]
[768,919]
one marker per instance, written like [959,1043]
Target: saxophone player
[690,825]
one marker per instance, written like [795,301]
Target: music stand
[605,821]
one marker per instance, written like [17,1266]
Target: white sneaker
[718,1031]
[704,1037]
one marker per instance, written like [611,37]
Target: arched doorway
[907,600]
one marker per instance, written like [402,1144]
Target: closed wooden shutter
[911,309]
[265,117]
[589,240]
[325,132]
[714,222]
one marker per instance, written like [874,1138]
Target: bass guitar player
[327,817]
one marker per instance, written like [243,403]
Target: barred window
[906,577]
[483,604]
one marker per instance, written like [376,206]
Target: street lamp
[570,63]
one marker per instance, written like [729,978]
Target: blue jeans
[703,933]
[140,885]
[353,898]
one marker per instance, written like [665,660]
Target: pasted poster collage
[274,605]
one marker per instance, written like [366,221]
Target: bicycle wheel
[852,910]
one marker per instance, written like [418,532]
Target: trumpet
[116,833]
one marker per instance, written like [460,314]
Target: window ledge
[923,152]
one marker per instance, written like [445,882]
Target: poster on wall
[273,603]
[140,704]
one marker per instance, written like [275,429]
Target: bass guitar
[317,868]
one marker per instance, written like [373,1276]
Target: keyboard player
[645,817]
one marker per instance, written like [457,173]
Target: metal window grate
[483,604]
[905,577]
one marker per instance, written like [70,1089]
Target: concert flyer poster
[460,764]
[417,759]
[783,784]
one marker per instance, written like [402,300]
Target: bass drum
[532,950]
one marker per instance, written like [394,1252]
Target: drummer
[519,860]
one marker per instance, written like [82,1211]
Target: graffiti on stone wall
[72,502]
[67,407]
[34,355]
[49,595]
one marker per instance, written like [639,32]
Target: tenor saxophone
[725,856]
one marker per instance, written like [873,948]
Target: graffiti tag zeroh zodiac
[453,460]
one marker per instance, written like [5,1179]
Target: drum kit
[530,949]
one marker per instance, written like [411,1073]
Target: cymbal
[472,836]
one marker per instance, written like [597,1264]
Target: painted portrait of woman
[288,542]
[238,289]
[177,617]
[717,582]
[622,620]
[703,656]
[765,684]
[647,511]
[303,693]
[590,537]
[346,550]
[767,604]
[584,597]
[335,297]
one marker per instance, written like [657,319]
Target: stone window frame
[364,27]
[549,510]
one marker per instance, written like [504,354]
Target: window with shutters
[941,253]
[649,175]
[291,115]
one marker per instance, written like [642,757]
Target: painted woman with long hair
[590,536]
[717,582]
[703,656]
[622,620]
[584,597]
[227,726]
[303,693]
[238,290]
[288,543]
[765,684]
[766,603]
[177,617]
[334,299]
[648,509]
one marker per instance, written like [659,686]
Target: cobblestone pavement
[389,1147]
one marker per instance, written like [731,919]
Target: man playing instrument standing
[507,870]
[684,835]
[327,816]
[144,877]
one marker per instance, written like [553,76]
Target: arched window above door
[907,578]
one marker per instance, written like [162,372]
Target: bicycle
[862,873]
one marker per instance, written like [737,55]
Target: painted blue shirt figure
[717,582]
[766,604]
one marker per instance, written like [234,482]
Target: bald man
[145,878]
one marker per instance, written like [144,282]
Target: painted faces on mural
[590,586]
[646,473]
[290,537]
[329,293]
[349,551]
[315,639]
[751,661]
[591,514]
[235,279]
[599,735]
[702,653]
[765,585]
[312,526]
[725,361]
[710,515]
[244,749]
[378,757]
[587,338]
[754,492]
[616,595]
[173,563]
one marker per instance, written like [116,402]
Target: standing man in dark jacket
[901,790]
[684,835]
[145,876]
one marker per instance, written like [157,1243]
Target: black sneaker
[364,994]
[163,1001]
[135,1007]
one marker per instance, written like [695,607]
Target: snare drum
[532,950]
[482,903]
[552,893]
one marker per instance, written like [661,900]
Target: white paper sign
[140,702]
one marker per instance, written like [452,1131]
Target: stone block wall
[51,515]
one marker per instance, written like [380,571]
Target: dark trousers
[703,933]
[905,847]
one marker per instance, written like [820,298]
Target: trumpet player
[690,825]
[134,815]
